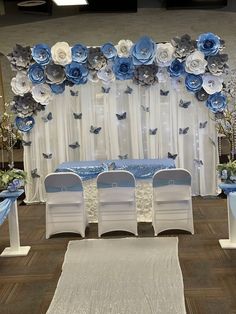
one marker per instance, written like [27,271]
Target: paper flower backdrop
[44,71]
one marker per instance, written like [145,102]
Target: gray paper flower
[25,105]
[184,45]
[55,74]
[217,64]
[145,75]
[20,58]
[96,59]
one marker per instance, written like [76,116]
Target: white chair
[116,202]
[65,210]
[172,200]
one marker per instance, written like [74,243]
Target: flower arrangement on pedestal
[12,179]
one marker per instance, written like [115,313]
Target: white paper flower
[123,47]
[42,93]
[164,54]
[106,74]
[195,63]
[21,84]
[61,53]
[212,84]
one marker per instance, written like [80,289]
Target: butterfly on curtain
[172,156]
[153,131]
[74,145]
[128,90]
[146,109]
[34,173]
[123,156]
[77,115]
[48,117]
[73,93]
[202,125]
[212,142]
[164,93]
[25,143]
[47,156]
[105,90]
[199,162]
[95,130]
[184,104]
[121,116]
[183,131]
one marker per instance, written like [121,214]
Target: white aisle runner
[120,276]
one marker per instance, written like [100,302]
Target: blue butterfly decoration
[34,173]
[146,109]
[105,90]
[153,131]
[47,156]
[184,104]
[183,131]
[164,93]
[121,116]
[95,130]
[202,125]
[77,115]
[48,117]
[123,156]
[25,143]
[198,162]
[74,94]
[74,145]
[172,156]
[128,90]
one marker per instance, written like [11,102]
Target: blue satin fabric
[140,168]
[5,205]
[228,187]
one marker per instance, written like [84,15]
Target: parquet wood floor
[27,284]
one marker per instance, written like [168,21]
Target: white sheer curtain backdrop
[146,109]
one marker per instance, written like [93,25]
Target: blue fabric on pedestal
[228,187]
[5,205]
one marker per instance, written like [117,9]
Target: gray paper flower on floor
[25,105]
[217,64]
[96,59]
[55,74]
[20,58]
[184,46]
[145,75]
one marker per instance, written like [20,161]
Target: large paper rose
[145,75]
[109,51]
[217,64]
[20,58]
[176,68]
[216,102]
[61,53]
[76,73]
[123,68]
[42,93]
[209,44]
[58,88]
[143,51]
[21,84]
[25,105]
[36,74]
[195,63]
[41,53]
[193,82]
[123,48]
[79,53]
[55,74]
[212,84]
[184,45]
[96,59]
[106,74]
[164,54]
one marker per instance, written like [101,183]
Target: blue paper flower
[144,51]
[41,53]
[76,73]
[193,82]
[176,68]
[79,53]
[123,68]
[58,88]
[109,51]
[209,44]
[36,73]
[216,102]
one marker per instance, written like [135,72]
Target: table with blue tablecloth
[142,169]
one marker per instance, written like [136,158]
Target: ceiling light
[71,2]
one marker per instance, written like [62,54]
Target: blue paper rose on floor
[176,68]
[209,44]
[41,53]
[193,82]
[123,68]
[58,88]
[109,51]
[36,73]
[79,53]
[143,51]
[76,73]
[216,102]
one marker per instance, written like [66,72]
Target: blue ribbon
[5,207]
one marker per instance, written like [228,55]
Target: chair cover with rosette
[172,201]
[116,202]
[65,210]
